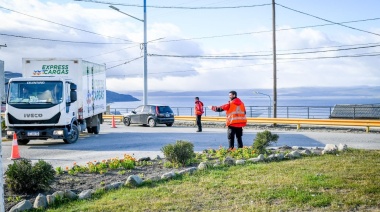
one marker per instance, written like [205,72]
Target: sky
[202,45]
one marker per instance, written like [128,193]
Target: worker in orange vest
[236,119]
[198,113]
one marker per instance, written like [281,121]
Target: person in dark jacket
[235,120]
[198,113]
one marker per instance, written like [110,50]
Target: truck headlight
[58,132]
[10,132]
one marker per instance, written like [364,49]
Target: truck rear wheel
[96,129]
[23,141]
[89,130]
[73,135]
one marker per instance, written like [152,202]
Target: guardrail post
[287,112]
[367,129]
[298,126]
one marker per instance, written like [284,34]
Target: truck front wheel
[23,141]
[73,135]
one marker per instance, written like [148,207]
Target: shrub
[263,140]
[3,126]
[22,177]
[182,152]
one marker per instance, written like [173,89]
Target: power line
[327,20]
[267,31]
[64,25]
[112,51]
[176,7]
[125,62]
[291,60]
[54,40]
[259,55]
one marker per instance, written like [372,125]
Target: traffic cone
[15,154]
[113,122]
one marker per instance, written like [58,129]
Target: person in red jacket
[236,119]
[198,113]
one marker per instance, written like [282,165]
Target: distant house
[356,111]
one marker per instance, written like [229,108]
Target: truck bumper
[34,134]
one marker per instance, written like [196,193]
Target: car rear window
[164,109]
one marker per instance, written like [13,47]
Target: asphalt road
[143,141]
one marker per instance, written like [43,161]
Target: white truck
[55,98]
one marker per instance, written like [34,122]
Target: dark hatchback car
[150,115]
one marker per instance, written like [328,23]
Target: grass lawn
[349,181]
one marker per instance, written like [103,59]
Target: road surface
[143,141]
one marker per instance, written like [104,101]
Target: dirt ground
[83,181]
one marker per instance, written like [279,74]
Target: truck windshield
[35,92]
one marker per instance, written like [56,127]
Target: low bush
[181,153]
[23,177]
[263,140]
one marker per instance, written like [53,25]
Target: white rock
[86,194]
[40,202]
[50,199]
[134,180]
[70,195]
[261,157]
[22,206]
[168,175]
[330,149]
[202,166]
[240,162]
[253,160]
[229,161]
[58,194]
[295,154]
[342,147]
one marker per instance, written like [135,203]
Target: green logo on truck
[52,70]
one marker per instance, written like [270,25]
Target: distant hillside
[367,91]
[117,97]
[111,96]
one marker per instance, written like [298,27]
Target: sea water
[287,107]
[188,101]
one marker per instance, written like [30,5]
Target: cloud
[182,74]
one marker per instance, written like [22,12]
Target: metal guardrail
[312,112]
[309,112]
[292,121]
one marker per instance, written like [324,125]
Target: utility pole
[274,60]
[2,202]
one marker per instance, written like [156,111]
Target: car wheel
[169,125]
[152,123]
[127,121]
[23,141]
[73,136]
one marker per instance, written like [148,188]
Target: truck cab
[42,108]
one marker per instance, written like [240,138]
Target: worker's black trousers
[232,132]
[199,123]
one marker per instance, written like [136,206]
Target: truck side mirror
[73,86]
[73,96]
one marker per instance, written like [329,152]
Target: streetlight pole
[270,103]
[145,92]
[145,46]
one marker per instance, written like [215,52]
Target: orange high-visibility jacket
[235,111]
[198,108]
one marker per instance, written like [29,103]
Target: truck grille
[53,120]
